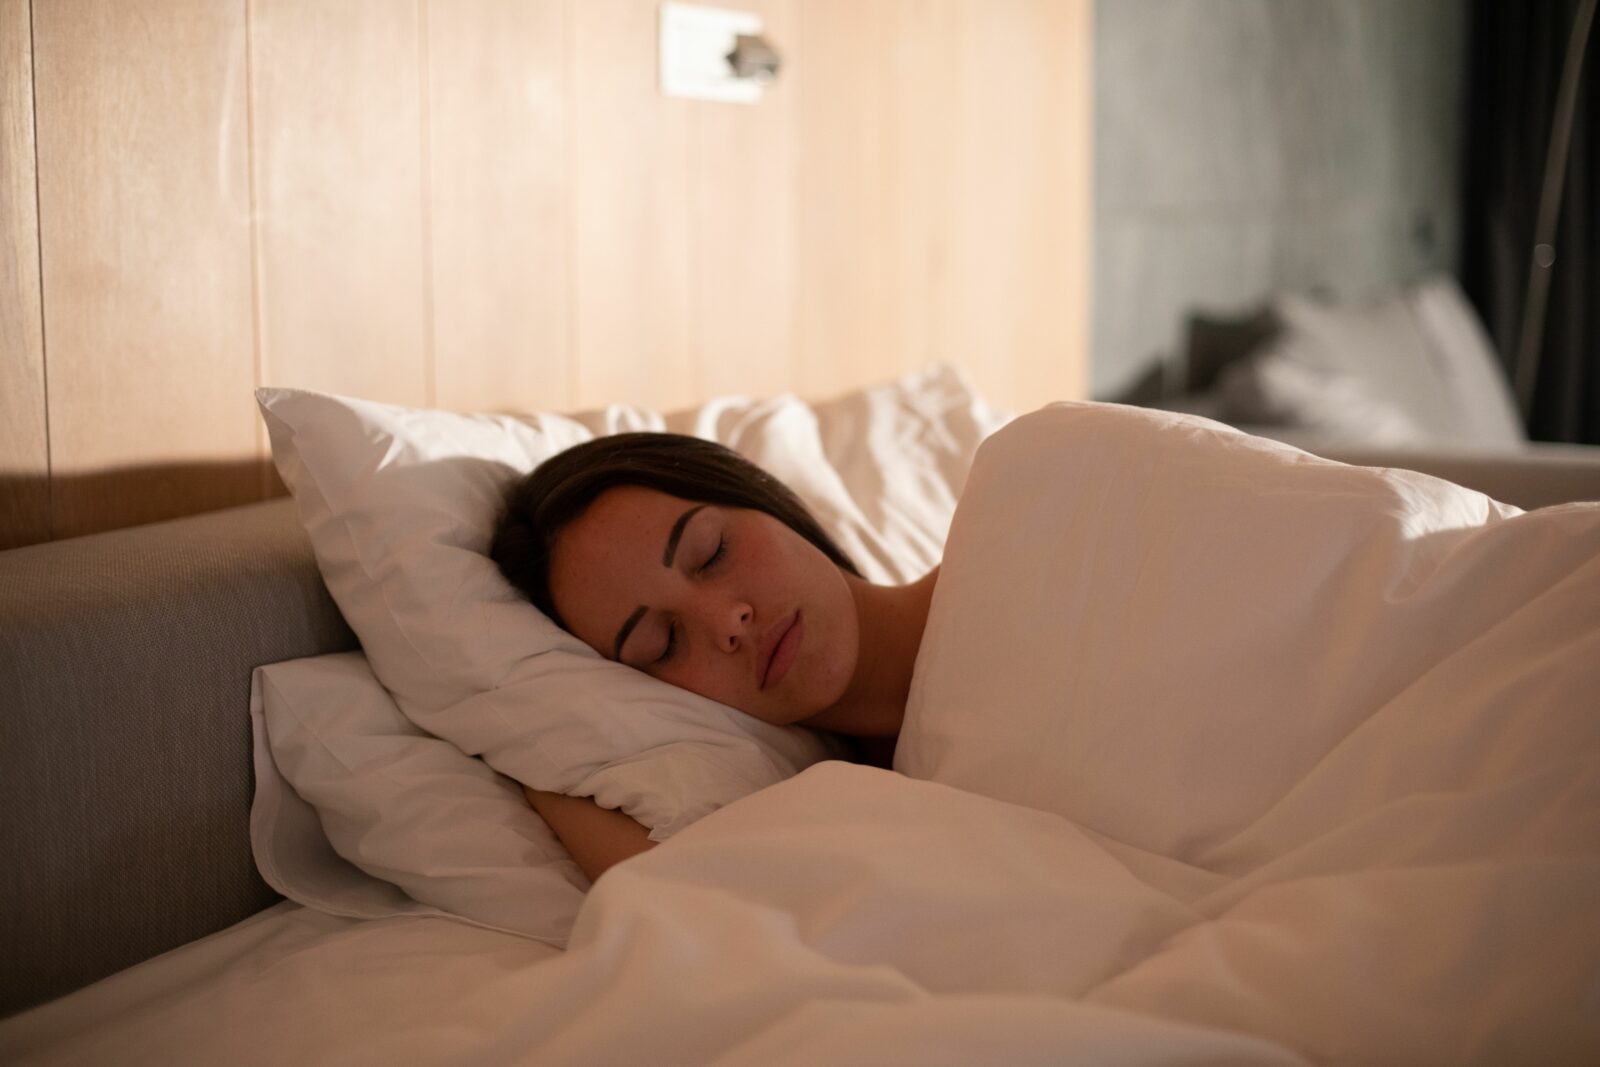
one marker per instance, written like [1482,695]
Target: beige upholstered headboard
[481,204]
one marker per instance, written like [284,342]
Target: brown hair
[561,488]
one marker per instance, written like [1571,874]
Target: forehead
[622,533]
[626,517]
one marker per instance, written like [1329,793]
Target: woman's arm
[597,837]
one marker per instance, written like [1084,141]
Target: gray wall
[1244,147]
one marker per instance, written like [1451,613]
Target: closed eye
[712,560]
[672,645]
[715,557]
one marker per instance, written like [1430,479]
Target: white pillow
[1415,367]
[400,504]
[1277,388]
[415,825]
[1467,363]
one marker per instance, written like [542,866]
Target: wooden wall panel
[842,336]
[742,244]
[499,161]
[989,201]
[630,187]
[926,82]
[489,204]
[340,226]
[143,220]
[1018,273]
[1071,49]
[24,445]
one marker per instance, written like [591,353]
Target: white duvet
[1349,718]
[1217,754]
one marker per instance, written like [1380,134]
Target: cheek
[842,646]
[709,676]
[766,563]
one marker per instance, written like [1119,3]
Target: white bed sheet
[288,985]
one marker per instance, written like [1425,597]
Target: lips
[779,649]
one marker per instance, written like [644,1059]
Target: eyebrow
[677,532]
[666,561]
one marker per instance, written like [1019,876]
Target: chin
[799,705]
[829,681]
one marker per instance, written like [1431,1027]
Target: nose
[732,625]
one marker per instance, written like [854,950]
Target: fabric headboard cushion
[125,662]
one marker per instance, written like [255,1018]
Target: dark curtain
[1516,55]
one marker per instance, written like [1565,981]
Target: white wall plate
[695,42]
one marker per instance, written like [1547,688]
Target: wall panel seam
[798,289]
[257,349]
[691,245]
[569,141]
[38,234]
[430,373]
[885,77]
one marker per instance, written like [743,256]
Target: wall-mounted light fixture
[713,53]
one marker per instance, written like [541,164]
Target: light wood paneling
[631,217]
[24,446]
[489,204]
[742,245]
[1072,31]
[143,220]
[989,193]
[499,158]
[926,82]
[337,154]
[1022,203]
[842,336]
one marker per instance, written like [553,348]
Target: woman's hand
[597,837]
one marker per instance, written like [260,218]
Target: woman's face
[724,602]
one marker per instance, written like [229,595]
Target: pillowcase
[400,504]
[1274,388]
[1470,369]
[357,812]
[1422,355]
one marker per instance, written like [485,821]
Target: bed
[164,784]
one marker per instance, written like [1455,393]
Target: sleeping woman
[1248,708]
[1208,647]
[681,559]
